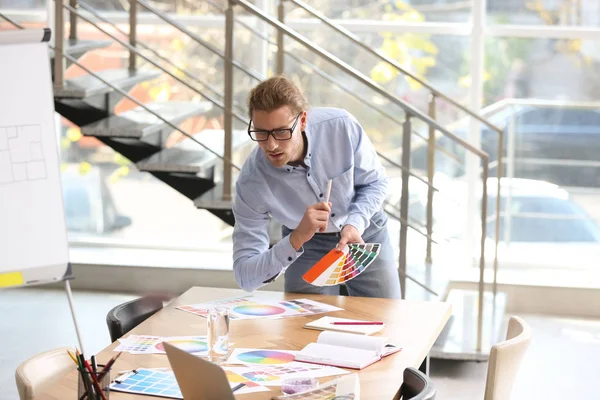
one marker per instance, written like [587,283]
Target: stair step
[213,199]
[138,122]
[87,85]
[78,47]
[189,156]
[458,340]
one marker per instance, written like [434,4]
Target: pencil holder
[85,381]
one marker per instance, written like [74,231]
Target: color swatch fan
[339,267]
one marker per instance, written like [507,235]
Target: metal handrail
[11,21]
[148,48]
[383,57]
[198,39]
[140,104]
[216,102]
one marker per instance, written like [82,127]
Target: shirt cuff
[357,221]
[285,253]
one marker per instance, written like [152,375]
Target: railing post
[73,20]
[133,6]
[228,100]
[280,49]
[510,174]
[499,172]
[59,44]
[430,175]
[484,199]
[406,136]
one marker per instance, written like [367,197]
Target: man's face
[280,152]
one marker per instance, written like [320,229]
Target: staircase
[201,166]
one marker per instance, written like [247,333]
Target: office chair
[416,386]
[124,317]
[505,359]
[41,371]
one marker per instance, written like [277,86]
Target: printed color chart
[338,267]
[262,357]
[139,344]
[148,382]
[269,357]
[274,375]
[252,308]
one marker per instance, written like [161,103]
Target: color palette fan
[341,266]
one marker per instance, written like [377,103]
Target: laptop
[198,379]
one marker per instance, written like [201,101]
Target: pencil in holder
[87,390]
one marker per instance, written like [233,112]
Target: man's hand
[349,234]
[314,220]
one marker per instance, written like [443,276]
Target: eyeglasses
[261,135]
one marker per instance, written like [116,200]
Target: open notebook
[346,350]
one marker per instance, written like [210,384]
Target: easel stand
[72,306]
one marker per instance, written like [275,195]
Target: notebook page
[335,355]
[351,340]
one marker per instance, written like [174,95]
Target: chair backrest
[124,317]
[416,386]
[505,358]
[38,373]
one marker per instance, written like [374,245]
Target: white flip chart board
[33,233]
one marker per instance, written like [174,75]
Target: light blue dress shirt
[338,149]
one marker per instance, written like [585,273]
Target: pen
[357,323]
[241,385]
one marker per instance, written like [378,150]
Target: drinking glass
[218,334]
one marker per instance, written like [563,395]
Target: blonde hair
[274,93]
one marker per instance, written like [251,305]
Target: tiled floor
[561,362]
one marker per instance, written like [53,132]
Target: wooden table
[413,325]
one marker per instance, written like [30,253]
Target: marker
[357,323]
[237,387]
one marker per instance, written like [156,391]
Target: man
[287,177]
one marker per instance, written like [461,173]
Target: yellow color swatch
[11,279]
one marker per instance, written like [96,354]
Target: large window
[533,82]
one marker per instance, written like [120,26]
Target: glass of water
[218,334]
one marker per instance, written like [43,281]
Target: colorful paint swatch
[338,267]
[148,382]
[265,357]
[140,344]
[249,386]
[273,375]
[190,345]
[252,308]
[259,310]
[261,357]
[261,376]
